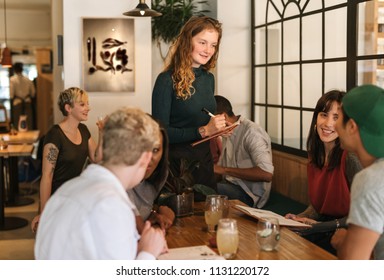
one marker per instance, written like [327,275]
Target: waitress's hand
[215,124]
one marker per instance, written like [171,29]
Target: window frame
[351,59]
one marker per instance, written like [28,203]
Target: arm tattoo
[52,156]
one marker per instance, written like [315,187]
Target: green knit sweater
[182,118]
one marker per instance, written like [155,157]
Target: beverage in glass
[227,238]
[225,206]
[213,211]
[268,233]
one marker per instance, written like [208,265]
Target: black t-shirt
[71,157]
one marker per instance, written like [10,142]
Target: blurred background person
[22,93]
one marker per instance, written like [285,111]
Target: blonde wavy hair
[180,55]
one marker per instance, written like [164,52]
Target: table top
[22,137]
[191,231]
[17,150]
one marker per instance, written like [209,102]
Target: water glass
[225,206]
[214,206]
[268,233]
[227,238]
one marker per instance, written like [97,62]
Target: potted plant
[179,196]
[175,13]
[180,187]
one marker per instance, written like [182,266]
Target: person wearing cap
[361,130]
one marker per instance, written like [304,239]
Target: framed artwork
[108,53]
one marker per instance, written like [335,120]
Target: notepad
[225,130]
[258,213]
[191,253]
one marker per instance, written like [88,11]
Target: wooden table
[7,223]
[191,231]
[21,138]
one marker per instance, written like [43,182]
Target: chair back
[4,120]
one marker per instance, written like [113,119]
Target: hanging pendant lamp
[6,58]
[142,10]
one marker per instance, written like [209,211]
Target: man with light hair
[90,217]
[361,130]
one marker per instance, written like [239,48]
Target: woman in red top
[330,172]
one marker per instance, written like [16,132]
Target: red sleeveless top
[328,189]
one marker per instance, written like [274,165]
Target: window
[303,49]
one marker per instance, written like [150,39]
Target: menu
[258,213]
[191,253]
[227,129]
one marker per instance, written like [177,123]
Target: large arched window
[305,48]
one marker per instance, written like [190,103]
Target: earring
[315,127]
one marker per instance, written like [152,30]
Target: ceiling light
[142,10]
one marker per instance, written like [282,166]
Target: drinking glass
[225,206]
[214,205]
[268,233]
[227,238]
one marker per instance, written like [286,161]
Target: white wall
[106,102]
[234,65]
[28,24]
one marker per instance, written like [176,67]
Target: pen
[205,110]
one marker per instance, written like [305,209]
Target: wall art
[108,55]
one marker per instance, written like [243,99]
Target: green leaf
[175,14]
[203,189]
[180,175]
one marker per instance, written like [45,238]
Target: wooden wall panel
[44,91]
[290,176]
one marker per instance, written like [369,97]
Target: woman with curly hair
[183,89]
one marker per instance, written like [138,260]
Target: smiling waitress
[183,89]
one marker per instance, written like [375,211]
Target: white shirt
[89,217]
[20,86]
[247,147]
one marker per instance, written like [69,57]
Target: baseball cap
[365,105]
